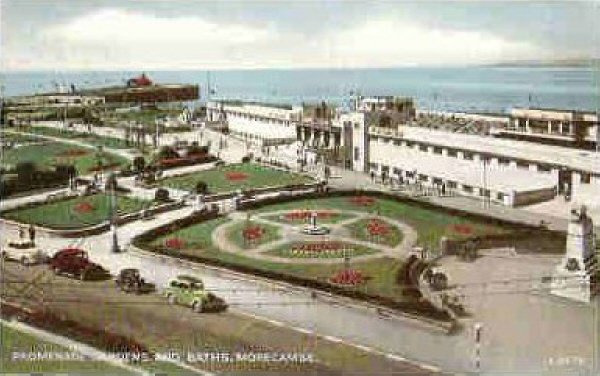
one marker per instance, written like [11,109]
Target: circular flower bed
[175,243]
[462,229]
[253,233]
[84,207]
[236,176]
[376,227]
[348,277]
[304,215]
[362,200]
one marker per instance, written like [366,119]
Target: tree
[26,171]
[139,163]
[161,194]
[201,187]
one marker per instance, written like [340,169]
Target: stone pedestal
[575,276]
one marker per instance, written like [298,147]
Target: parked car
[130,280]
[25,252]
[189,291]
[75,261]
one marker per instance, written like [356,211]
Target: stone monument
[575,276]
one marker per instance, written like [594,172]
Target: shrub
[139,163]
[167,152]
[245,159]
[111,182]
[161,194]
[201,187]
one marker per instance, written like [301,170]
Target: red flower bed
[317,247]
[175,243]
[462,229]
[350,277]
[362,200]
[84,207]
[236,176]
[73,153]
[376,227]
[304,215]
[251,233]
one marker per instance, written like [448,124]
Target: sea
[481,89]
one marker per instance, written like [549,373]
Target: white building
[258,123]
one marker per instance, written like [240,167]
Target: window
[437,150]
[500,196]
[356,153]
[452,153]
[468,188]
[396,142]
[397,171]
[468,156]
[585,178]
[452,184]
[423,147]
[523,165]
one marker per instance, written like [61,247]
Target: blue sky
[109,34]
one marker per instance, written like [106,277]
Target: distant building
[258,123]
[139,81]
[552,126]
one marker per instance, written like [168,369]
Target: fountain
[312,228]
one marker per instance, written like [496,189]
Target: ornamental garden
[365,250]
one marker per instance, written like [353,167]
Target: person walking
[32,233]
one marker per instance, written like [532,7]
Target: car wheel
[171,299]
[56,270]
[24,261]
[83,275]
[198,306]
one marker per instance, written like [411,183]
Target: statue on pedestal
[574,278]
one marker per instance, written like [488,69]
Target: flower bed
[376,227]
[348,277]
[461,229]
[84,207]
[325,249]
[185,161]
[304,215]
[236,176]
[175,243]
[73,153]
[362,200]
[252,233]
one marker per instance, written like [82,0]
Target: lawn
[375,231]
[196,238]
[233,177]
[76,212]
[48,154]
[14,341]
[325,250]
[89,138]
[431,224]
[251,235]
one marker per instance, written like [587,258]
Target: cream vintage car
[25,252]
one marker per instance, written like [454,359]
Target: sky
[177,34]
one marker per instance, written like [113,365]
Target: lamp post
[113,217]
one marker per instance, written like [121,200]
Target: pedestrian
[32,233]
[443,189]
[372,176]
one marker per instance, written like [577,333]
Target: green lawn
[14,341]
[360,230]
[269,234]
[345,250]
[92,139]
[381,271]
[431,224]
[75,212]
[48,154]
[241,176]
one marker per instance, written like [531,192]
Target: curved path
[290,233]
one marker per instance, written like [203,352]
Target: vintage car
[75,262]
[189,291]
[25,252]
[130,280]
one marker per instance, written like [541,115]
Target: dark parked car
[130,280]
[75,262]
